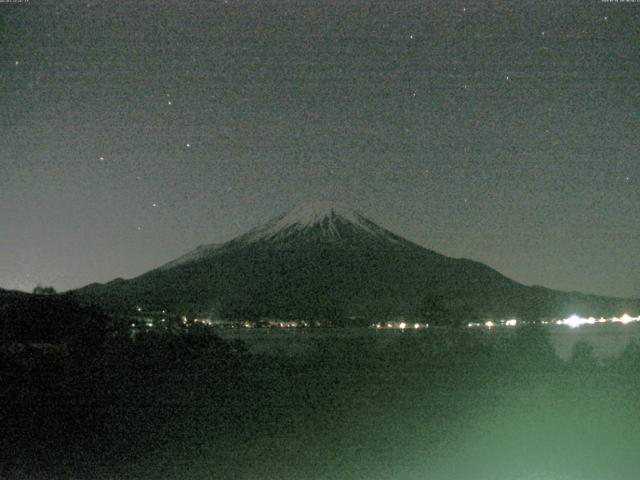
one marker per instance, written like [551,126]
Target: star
[102,159]
[139,228]
[154,205]
[188,145]
[169,102]
[17,63]
[411,36]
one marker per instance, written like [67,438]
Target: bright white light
[403,325]
[511,323]
[575,321]
[626,318]
[489,324]
[416,326]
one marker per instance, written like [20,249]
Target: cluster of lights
[145,322]
[490,323]
[186,321]
[293,324]
[400,325]
[246,324]
[289,324]
[575,321]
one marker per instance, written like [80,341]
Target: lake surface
[349,404]
[608,340]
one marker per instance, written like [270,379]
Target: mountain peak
[316,212]
[325,219]
[316,221]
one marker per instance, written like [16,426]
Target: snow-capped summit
[320,219]
[312,213]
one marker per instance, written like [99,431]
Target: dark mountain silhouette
[325,261]
[47,317]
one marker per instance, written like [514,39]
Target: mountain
[51,318]
[326,261]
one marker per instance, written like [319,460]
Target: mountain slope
[327,261]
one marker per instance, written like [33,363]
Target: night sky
[507,132]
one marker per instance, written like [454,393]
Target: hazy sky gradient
[506,132]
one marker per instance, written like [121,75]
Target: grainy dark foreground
[442,405]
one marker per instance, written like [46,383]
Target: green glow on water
[437,405]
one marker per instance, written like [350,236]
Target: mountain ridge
[327,261]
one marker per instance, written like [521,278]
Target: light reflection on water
[465,426]
[607,339]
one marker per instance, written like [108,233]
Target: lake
[607,339]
